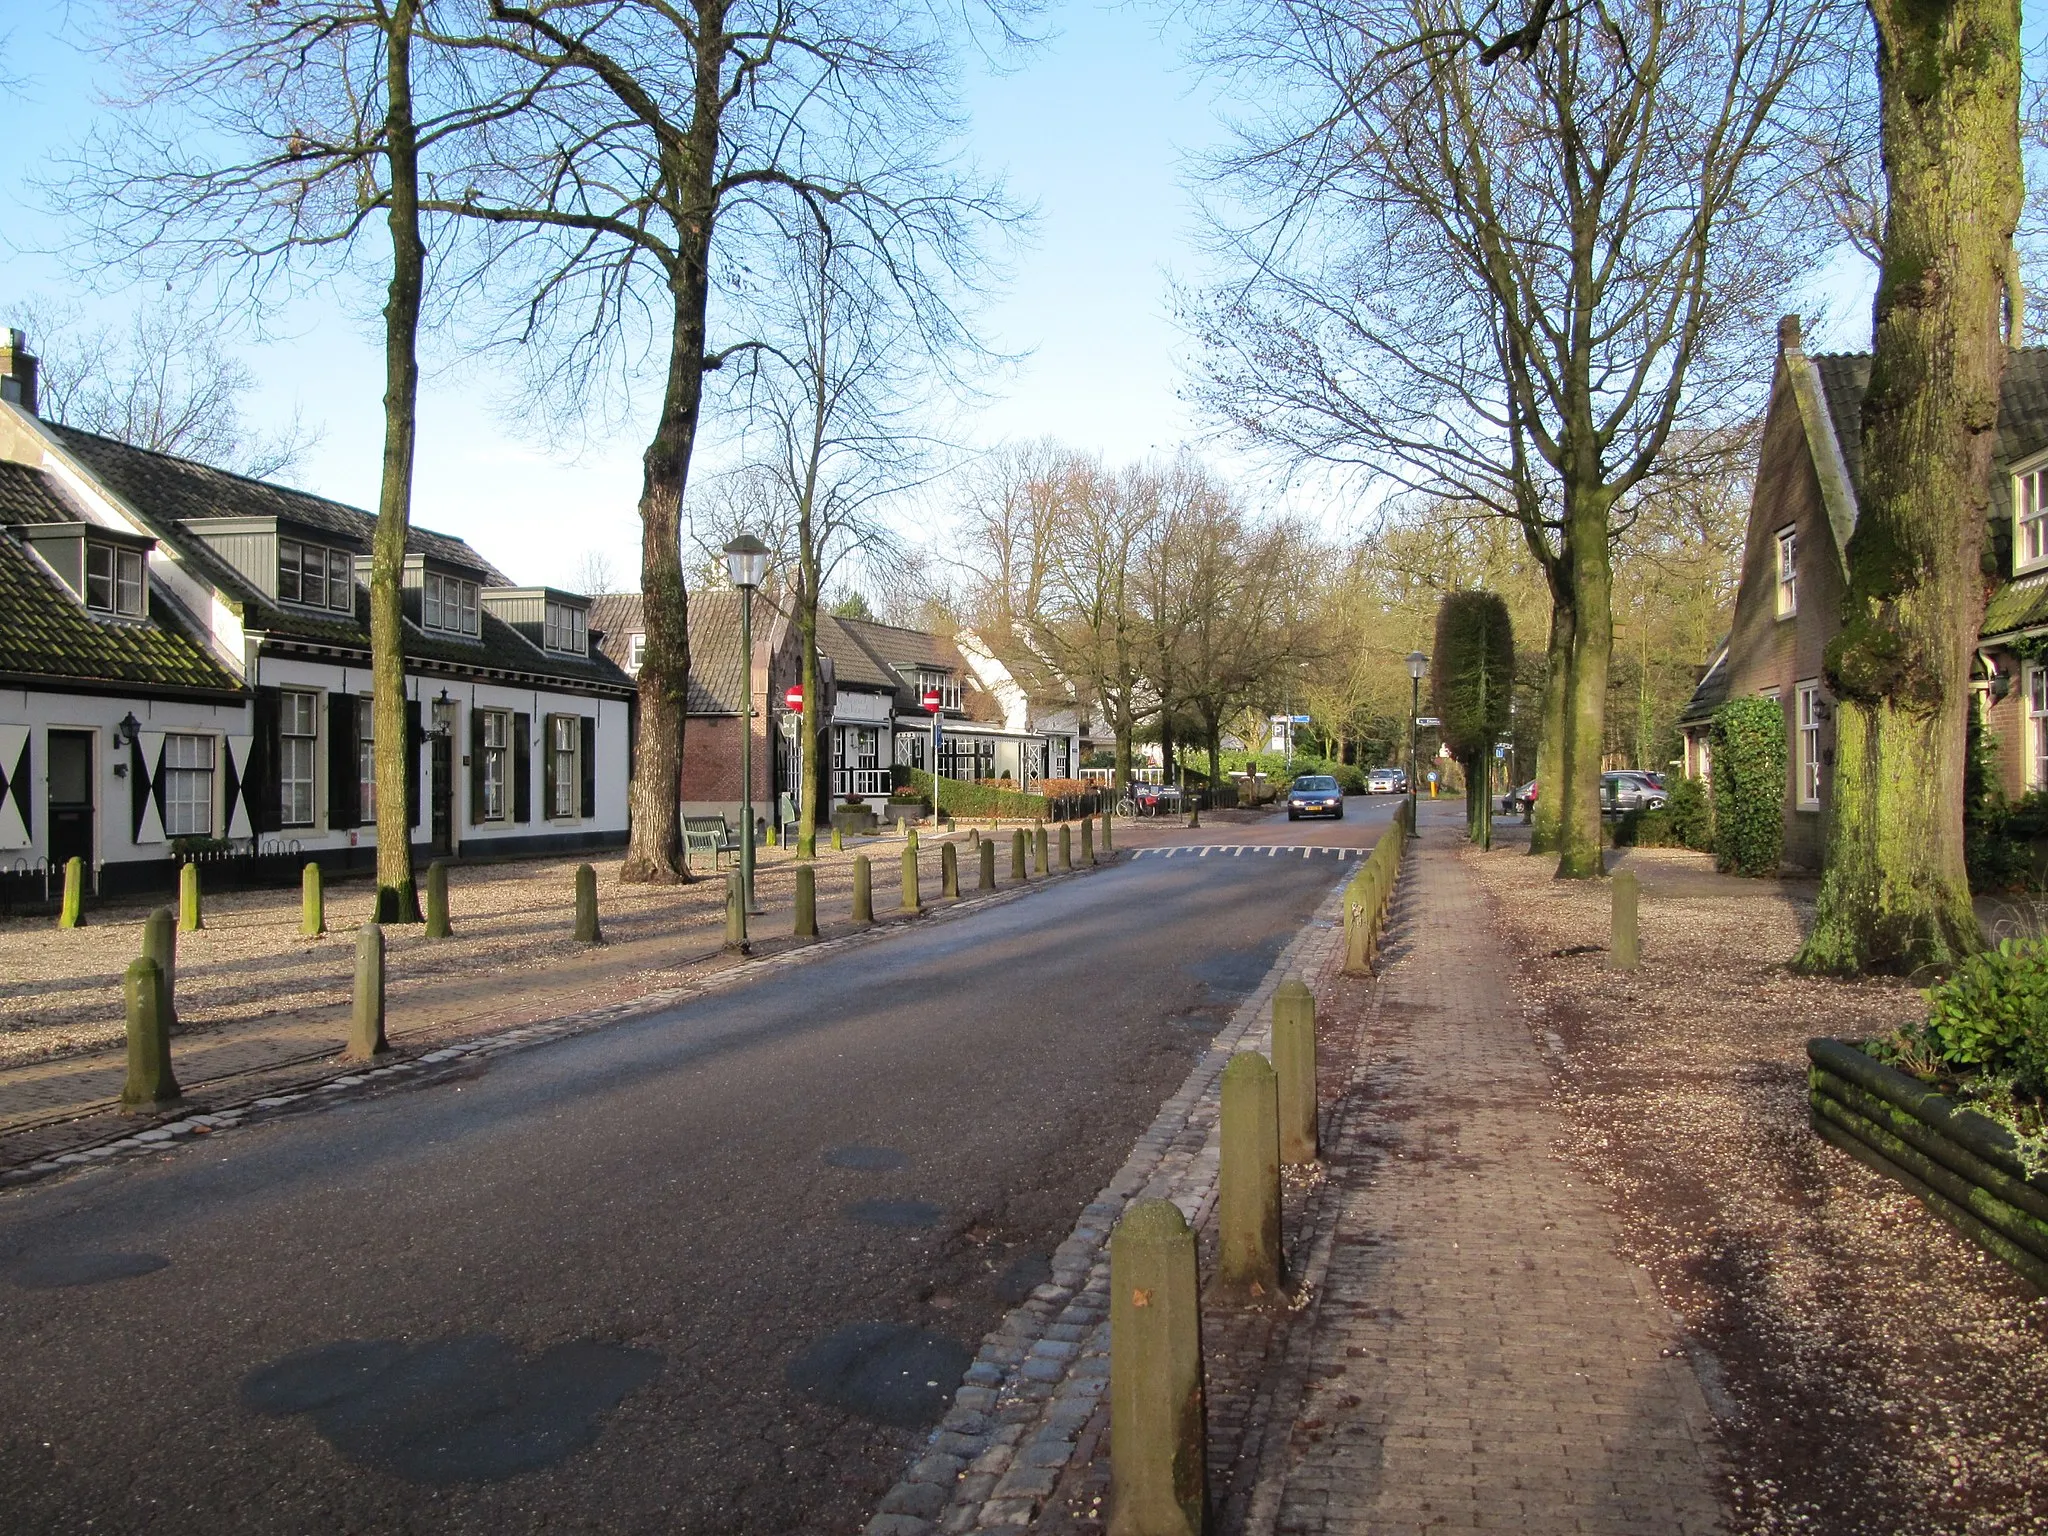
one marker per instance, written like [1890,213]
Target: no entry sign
[793,697]
[931,701]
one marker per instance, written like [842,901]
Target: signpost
[933,700]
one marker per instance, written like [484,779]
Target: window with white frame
[565,629]
[188,786]
[366,758]
[636,653]
[1788,572]
[449,603]
[316,576]
[564,732]
[2030,518]
[2037,727]
[298,740]
[1809,746]
[497,763]
[114,580]
[949,689]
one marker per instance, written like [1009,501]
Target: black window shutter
[588,758]
[415,738]
[476,766]
[547,766]
[344,785]
[522,768]
[259,784]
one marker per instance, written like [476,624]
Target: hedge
[1749,765]
[959,798]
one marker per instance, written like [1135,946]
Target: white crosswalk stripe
[1238,850]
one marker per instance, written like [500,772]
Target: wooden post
[838,839]
[949,871]
[191,915]
[988,865]
[586,906]
[366,1020]
[1108,842]
[150,1082]
[1625,951]
[72,913]
[1066,846]
[863,890]
[806,902]
[1017,855]
[1088,840]
[312,901]
[1040,863]
[1294,1065]
[160,943]
[437,900]
[1248,1183]
[910,897]
[1158,1425]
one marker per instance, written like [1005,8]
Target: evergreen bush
[1749,765]
[1991,1017]
[1692,816]
[959,798]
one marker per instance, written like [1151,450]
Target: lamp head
[1417,665]
[746,561]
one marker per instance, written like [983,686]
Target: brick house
[1794,578]
[185,666]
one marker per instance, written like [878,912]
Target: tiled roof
[715,685]
[45,631]
[1712,690]
[2017,605]
[851,663]
[171,495]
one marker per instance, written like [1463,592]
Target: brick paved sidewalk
[1477,1356]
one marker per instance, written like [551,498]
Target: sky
[1091,131]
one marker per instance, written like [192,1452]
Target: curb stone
[998,1453]
[155,1139]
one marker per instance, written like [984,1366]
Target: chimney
[17,371]
[1789,339]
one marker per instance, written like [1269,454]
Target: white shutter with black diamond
[148,767]
[14,786]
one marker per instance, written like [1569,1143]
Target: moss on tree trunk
[1894,895]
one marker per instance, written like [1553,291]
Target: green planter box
[1962,1166]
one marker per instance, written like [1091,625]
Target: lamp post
[1417,665]
[746,563]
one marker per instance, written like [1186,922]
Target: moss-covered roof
[2017,605]
[47,634]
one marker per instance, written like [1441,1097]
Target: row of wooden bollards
[1029,855]
[71,911]
[1158,1427]
[1370,896]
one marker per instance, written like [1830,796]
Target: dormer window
[449,604]
[949,688]
[315,576]
[636,653]
[113,580]
[566,629]
[2030,519]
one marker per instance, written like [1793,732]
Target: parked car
[1631,789]
[1315,794]
[1384,781]
[1516,801]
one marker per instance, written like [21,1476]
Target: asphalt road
[711,1271]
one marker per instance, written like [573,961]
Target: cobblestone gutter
[1001,1449]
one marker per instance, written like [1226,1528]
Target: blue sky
[1091,131]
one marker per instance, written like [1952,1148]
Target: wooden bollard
[911,903]
[863,889]
[949,871]
[988,865]
[312,901]
[974,837]
[160,943]
[366,1019]
[806,926]
[1040,864]
[1066,846]
[1017,855]
[150,1081]
[1248,1183]
[72,913]
[1108,842]
[1294,1066]
[910,836]
[838,839]
[437,900]
[587,931]
[1625,949]
[1088,840]
[1158,1423]
[735,913]
[191,915]
[1195,816]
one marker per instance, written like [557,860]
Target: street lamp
[1417,665]
[746,563]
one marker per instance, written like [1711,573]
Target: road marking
[1239,850]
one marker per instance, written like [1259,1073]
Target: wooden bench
[709,834]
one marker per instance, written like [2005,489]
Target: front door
[69,803]
[443,796]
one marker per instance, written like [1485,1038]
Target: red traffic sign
[931,701]
[793,697]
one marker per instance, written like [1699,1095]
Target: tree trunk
[807,792]
[1894,893]
[655,854]
[1585,704]
[1546,834]
[397,896]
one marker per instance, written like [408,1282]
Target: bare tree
[1508,284]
